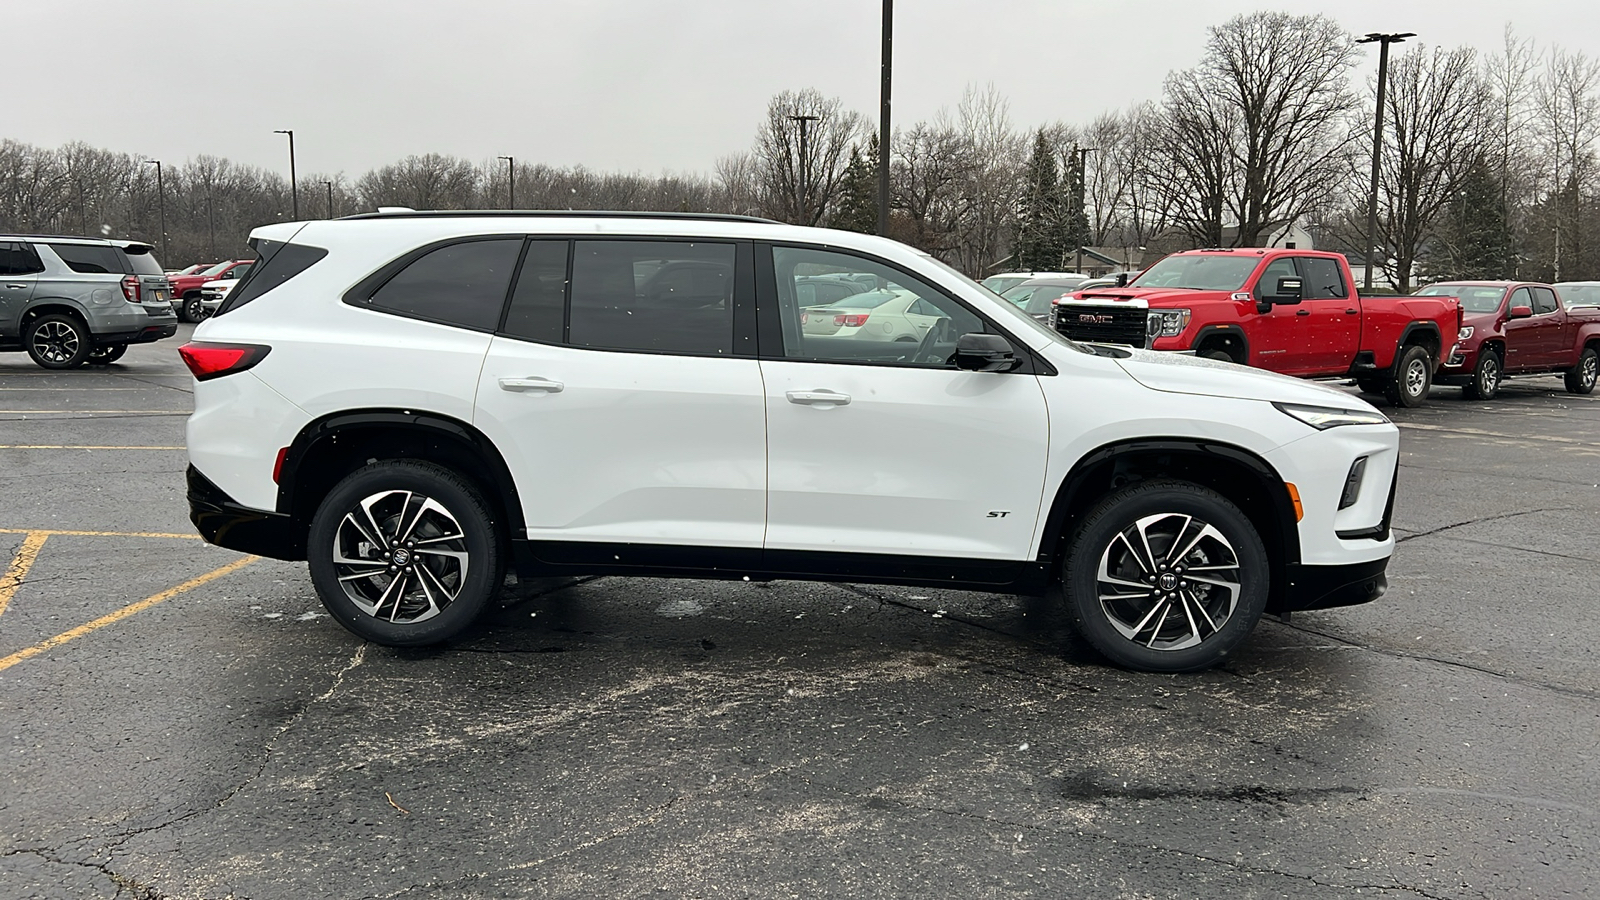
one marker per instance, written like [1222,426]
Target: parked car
[1036,296]
[1579,293]
[1005,281]
[1290,311]
[886,314]
[212,295]
[186,288]
[1518,328]
[71,301]
[413,401]
[189,270]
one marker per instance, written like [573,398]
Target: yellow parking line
[12,579]
[144,534]
[142,605]
[80,447]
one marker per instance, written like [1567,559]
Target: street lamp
[511,184]
[805,188]
[294,190]
[161,200]
[329,185]
[1080,178]
[1383,41]
[883,118]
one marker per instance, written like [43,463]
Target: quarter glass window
[459,284]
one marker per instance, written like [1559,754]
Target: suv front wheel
[57,341]
[1166,576]
[404,553]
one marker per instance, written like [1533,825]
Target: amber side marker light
[1294,497]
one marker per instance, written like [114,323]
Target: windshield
[217,269]
[1580,294]
[1015,317]
[1199,273]
[1035,298]
[1479,299]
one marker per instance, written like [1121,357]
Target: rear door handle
[815,397]
[1351,312]
[531,384]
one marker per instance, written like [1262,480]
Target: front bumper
[224,522]
[1323,587]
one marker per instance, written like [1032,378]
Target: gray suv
[70,301]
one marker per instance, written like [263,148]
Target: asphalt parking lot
[181,721]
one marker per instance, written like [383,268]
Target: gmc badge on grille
[1094,319]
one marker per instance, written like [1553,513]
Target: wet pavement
[180,721]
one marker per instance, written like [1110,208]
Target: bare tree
[799,183]
[1511,77]
[932,163]
[993,184]
[1569,117]
[428,181]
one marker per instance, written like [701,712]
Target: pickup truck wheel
[1222,355]
[1370,385]
[1413,376]
[1166,576]
[193,310]
[1581,377]
[57,341]
[404,553]
[1485,377]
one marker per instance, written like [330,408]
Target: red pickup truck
[186,288]
[1518,328]
[1290,311]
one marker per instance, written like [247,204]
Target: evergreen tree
[1041,240]
[1474,240]
[1075,220]
[858,192]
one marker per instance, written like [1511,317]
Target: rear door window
[662,296]
[91,259]
[1324,278]
[461,284]
[19,259]
[1544,301]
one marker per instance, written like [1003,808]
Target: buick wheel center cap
[1168,581]
[402,557]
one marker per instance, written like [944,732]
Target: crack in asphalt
[122,882]
[1443,528]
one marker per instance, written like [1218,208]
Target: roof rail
[402,213]
[5,236]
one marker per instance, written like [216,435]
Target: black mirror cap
[1289,290]
[980,352]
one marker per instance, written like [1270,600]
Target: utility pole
[883,118]
[1080,207]
[161,199]
[805,178]
[1383,41]
[329,185]
[294,186]
[511,181]
[211,225]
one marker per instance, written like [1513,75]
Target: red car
[1290,311]
[186,288]
[1518,328]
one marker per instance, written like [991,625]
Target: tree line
[1488,169]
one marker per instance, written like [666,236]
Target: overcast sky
[632,85]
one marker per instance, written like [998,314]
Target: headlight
[1167,322]
[1464,333]
[1323,417]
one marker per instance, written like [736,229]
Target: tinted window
[279,262]
[664,296]
[538,305]
[1544,301]
[240,270]
[460,284]
[90,259]
[1324,280]
[1267,285]
[902,321]
[19,259]
[142,261]
[1520,297]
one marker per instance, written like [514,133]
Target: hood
[1154,297]
[1177,373]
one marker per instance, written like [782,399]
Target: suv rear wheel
[1413,376]
[57,341]
[1166,576]
[106,354]
[404,553]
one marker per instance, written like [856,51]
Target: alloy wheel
[1169,581]
[56,341]
[1417,377]
[400,556]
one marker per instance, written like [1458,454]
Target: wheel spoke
[1189,597]
[358,575]
[1145,567]
[371,538]
[395,590]
[1156,631]
[377,530]
[1173,554]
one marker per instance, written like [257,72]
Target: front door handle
[16,287]
[1303,312]
[531,384]
[818,397]
[1352,312]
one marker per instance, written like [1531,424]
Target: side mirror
[1520,312]
[979,352]
[1290,290]
[1122,279]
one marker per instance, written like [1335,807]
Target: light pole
[329,185]
[294,188]
[511,181]
[1383,41]
[161,200]
[883,118]
[805,186]
[211,225]
[1080,206]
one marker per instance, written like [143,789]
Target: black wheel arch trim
[1415,328]
[1235,332]
[315,436]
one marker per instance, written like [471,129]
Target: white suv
[413,401]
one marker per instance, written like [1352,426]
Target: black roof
[559,213]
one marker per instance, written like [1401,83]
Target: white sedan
[886,314]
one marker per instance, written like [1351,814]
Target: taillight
[131,288]
[209,361]
[851,320]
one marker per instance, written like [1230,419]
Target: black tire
[394,497]
[57,341]
[192,309]
[1411,379]
[1115,616]
[1486,377]
[1221,355]
[1371,385]
[106,355]
[1581,377]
